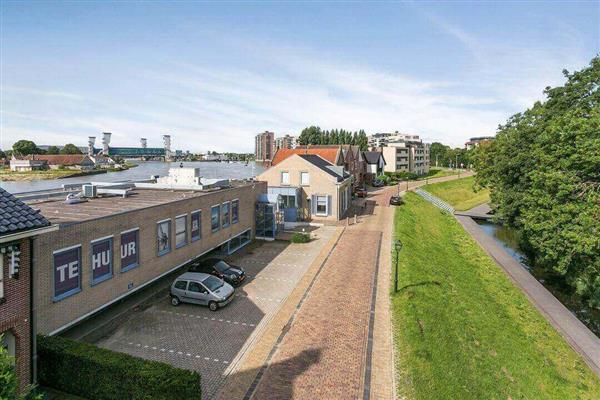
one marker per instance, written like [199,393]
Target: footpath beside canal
[581,339]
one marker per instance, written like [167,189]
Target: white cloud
[221,107]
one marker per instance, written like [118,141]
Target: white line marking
[178,352]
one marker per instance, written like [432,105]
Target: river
[144,170]
[508,238]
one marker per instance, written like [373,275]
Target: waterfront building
[115,239]
[19,225]
[285,142]
[264,146]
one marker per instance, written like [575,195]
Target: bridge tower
[91,143]
[167,143]
[144,143]
[105,142]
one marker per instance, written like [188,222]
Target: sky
[214,74]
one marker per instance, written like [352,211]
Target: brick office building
[109,247]
[18,225]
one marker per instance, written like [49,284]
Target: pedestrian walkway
[331,329]
[574,331]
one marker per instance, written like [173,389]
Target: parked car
[361,192]
[378,183]
[232,274]
[396,201]
[203,289]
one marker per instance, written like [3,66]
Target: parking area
[212,343]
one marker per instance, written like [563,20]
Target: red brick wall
[14,311]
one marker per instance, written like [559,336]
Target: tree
[52,150]
[543,170]
[70,148]
[9,383]
[25,147]
[2,154]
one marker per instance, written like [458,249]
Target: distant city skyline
[214,75]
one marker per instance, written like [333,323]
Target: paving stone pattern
[322,356]
[193,337]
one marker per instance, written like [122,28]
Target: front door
[196,293]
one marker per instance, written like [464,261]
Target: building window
[180,231]
[321,205]
[285,178]
[226,215]
[129,249]
[67,272]
[163,236]
[304,179]
[101,259]
[235,211]
[215,212]
[238,242]
[287,201]
[196,225]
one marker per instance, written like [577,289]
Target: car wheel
[175,301]
[213,306]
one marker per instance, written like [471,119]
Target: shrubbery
[100,374]
[300,237]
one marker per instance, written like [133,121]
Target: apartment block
[405,156]
[285,142]
[264,146]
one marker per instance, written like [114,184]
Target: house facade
[310,187]
[374,164]
[19,224]
[55,161]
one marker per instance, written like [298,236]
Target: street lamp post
[397,248]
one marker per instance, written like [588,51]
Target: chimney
[91,143]
[105,142]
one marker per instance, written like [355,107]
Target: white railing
[436,201]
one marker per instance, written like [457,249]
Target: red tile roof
[60,159]
[328,153]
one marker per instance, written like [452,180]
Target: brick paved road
[323,354]
[212,343]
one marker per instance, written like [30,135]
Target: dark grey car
[203,289]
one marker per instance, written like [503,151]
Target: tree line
[543,170]
[27,147]
[446,156]
[315,135]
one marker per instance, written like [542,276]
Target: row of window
[304,178]
[67,262]
[223,215]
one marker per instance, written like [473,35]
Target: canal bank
[581,339]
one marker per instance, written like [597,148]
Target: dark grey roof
[336,171]
[16,216]
[372,157]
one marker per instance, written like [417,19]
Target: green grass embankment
[459,193]
[463,330]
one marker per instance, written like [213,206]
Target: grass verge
[462,329]
[459,193]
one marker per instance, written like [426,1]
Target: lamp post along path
[397,248]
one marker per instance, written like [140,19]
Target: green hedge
[100,374]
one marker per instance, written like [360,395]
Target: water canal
[509,240]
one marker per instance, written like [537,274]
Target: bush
[299,237]
[100,374]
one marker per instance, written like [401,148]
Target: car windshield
[212,283]
[221,266]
